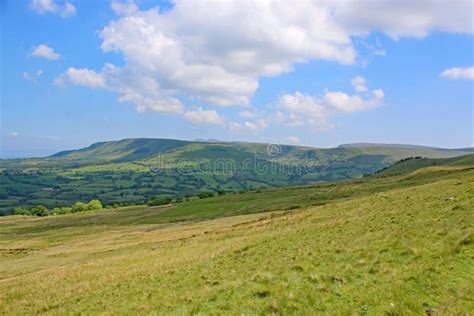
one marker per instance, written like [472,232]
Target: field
[400,242]
[133,171]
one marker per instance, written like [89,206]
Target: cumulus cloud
[456,73]
[409,19]
[124,7]
[44,51]
[201,116]
[81,77]
[32,76]
[67,9]
[300,109]
[359,84]
[248,114]
[216,52]
[256,125]
[352,103]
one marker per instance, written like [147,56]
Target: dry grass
[403,250]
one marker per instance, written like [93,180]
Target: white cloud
[407,19]
[248,114]
[32,76]
[234,126]
[293,139]
[352,103]
[13,134]
[50,6]
[456,73]
[124,7]
[218,53]
[359,84]
[81,77]
[299,109]
[44,51]
[201,116]
[253,126]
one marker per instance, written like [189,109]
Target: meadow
[399,242]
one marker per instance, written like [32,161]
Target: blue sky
[77,72]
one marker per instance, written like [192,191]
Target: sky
[314,73]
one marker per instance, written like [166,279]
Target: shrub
[205,194]
[62,210]
[79,207]
[22,210]
[39,210]
[179,199]
[94,205]
[159,201]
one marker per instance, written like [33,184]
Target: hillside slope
[391,245]
[411,165]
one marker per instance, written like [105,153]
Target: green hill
[410,165]
[136,170]
[123,150]
[398,244]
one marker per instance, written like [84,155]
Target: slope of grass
[393,245]
[415,164]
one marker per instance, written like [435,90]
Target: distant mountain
[123,150]
[133,149]
[137,169]
[365,145]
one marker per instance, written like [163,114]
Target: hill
[136,170]
[413,164]
[380,245]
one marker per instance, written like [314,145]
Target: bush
[179,199]
[221,192]
[94,205]
[79,207]
[62,210]
[22,210]
[39,210]
[159,201]
[205,194]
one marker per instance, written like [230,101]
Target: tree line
[41,210]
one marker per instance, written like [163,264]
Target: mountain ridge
[151,146]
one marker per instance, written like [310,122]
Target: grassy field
[386,244]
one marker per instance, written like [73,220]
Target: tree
[159,201]
[62,210]
[94,205]
[79,207]
[39,210]
[205,194]
[22,210]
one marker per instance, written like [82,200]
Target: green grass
[382,245]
